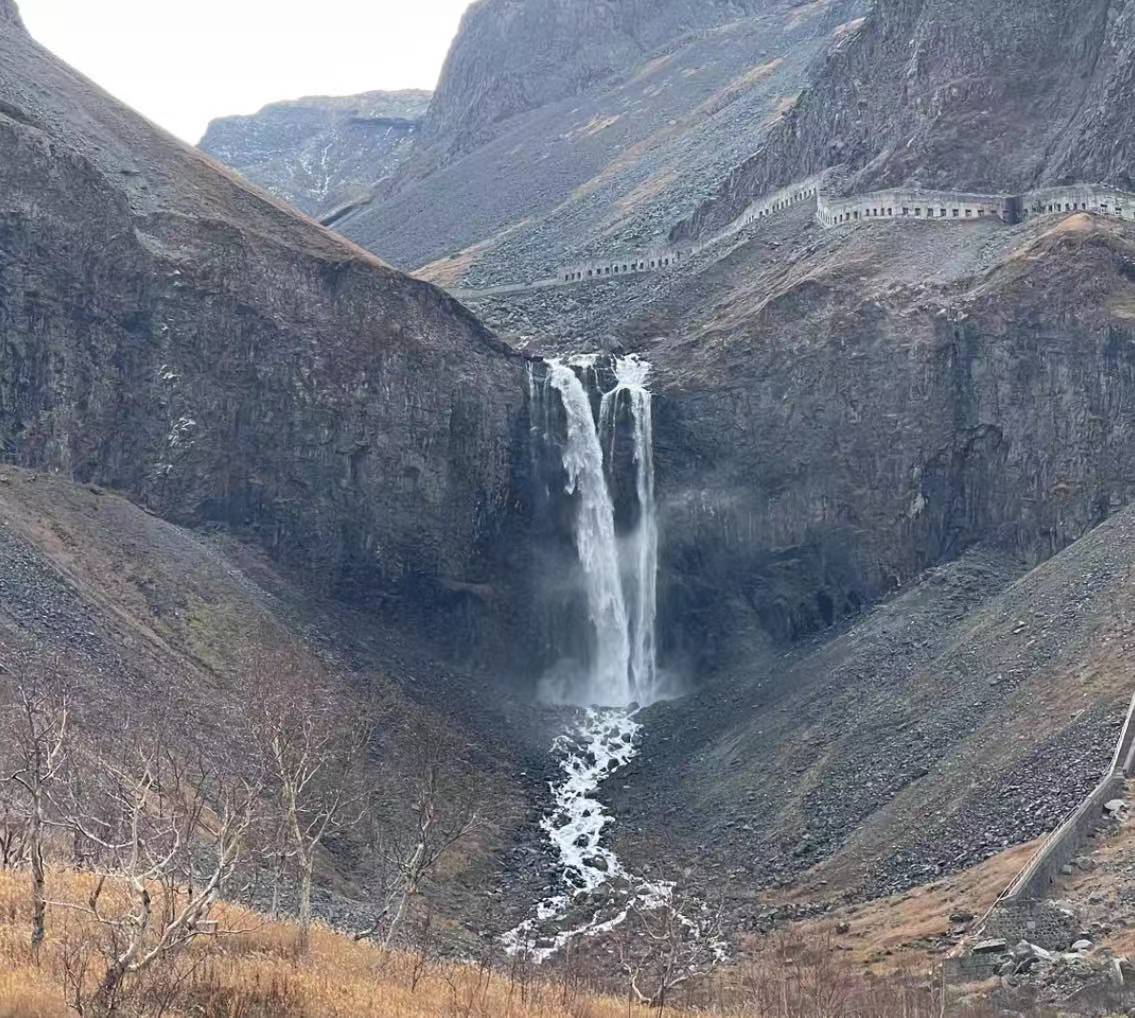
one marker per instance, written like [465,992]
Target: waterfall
[620,576]
[595,893]
[641,569]
[609,679]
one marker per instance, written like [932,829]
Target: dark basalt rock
[170,333]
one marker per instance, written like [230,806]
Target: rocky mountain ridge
[561,127]
[510,57]
[321,153]
[177,335]
[950,94]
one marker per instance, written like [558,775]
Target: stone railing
[651,260]
[1095,198]
[957,207]
[659,258]
[911,205]
[770,204]
[914,205]
[902,204]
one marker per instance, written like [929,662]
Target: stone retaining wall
[622,265]
[903,204]
[1063,845]
[770,204]
[913,205]
[1095,198]
[955,207]
[656,259]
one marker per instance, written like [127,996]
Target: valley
[677,476]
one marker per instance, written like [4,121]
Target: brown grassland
[258,969]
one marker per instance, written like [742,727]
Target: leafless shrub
[312,742]
[34,727]
[442,815]
[172,828]
[667,946]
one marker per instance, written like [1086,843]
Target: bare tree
[443,814]
[36,730]
[13,831]
[173,827]
[664,948]
[313,743]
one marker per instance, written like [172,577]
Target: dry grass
[259,972]
[896,932]
[737,87]
[450,270]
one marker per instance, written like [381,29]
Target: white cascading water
[641,570]
[620,583]
[608,681]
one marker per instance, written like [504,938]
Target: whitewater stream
[595,893]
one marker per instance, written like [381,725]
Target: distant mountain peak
[321,152]
[10,11]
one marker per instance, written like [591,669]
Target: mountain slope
[961,95]
[174,333]
[519,168]
[510,57]
[968,714]
[321,153]
[152,623]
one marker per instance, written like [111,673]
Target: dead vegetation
[261,969]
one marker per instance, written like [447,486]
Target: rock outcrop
[321,153]
[880,425]
[510,57]
[170,332]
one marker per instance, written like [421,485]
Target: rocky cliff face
[587,125]
[511,56]
[169,332]
[960,95]
[878,425]
[321,153]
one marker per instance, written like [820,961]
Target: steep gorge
[863,441]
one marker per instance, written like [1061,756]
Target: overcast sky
[182,63]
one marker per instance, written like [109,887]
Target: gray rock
[995,946]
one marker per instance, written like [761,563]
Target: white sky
[183,62]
